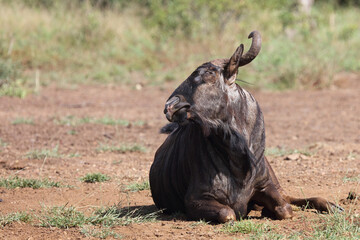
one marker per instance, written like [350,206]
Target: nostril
[172,101]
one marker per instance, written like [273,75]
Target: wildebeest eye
[198,79]
[209,76]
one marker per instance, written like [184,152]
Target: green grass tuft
[111,121]
[337,225]
[68,217]
[351,179]
[10,84]
[2,143]
[17,182]
[116,162]
[124,148]
[199,223]
[49,153]
[74,155]
[75,121]
[23,121]
[71,120]
[95,177]
[72,132]
[15,89]
[245,227]
[136,187]
[103,233]
[280,151]
[14,217]
[44,153]
[61,217]
[111,216]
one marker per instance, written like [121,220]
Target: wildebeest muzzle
[176,109]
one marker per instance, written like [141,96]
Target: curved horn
[254,49]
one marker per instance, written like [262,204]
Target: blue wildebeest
[212,164]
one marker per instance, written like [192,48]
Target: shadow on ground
[146,211]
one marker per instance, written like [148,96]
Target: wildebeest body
[212,165]
[191,165]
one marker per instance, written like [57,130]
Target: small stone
[294,156]
[352,195]
[304,157]
[138,86]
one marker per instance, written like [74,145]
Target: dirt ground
[324,126]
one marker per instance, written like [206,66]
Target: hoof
[283,212]
[226,215]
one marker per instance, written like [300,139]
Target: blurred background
[307,44]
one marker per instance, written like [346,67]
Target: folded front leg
[209,210]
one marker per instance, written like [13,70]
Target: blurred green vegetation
[67,42]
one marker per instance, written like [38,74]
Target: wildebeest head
[208,94]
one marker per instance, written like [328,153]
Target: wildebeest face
[206,94]
[199,94]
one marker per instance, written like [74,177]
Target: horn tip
[253,33]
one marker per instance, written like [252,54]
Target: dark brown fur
[212,165]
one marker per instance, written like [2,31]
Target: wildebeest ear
[233,65]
